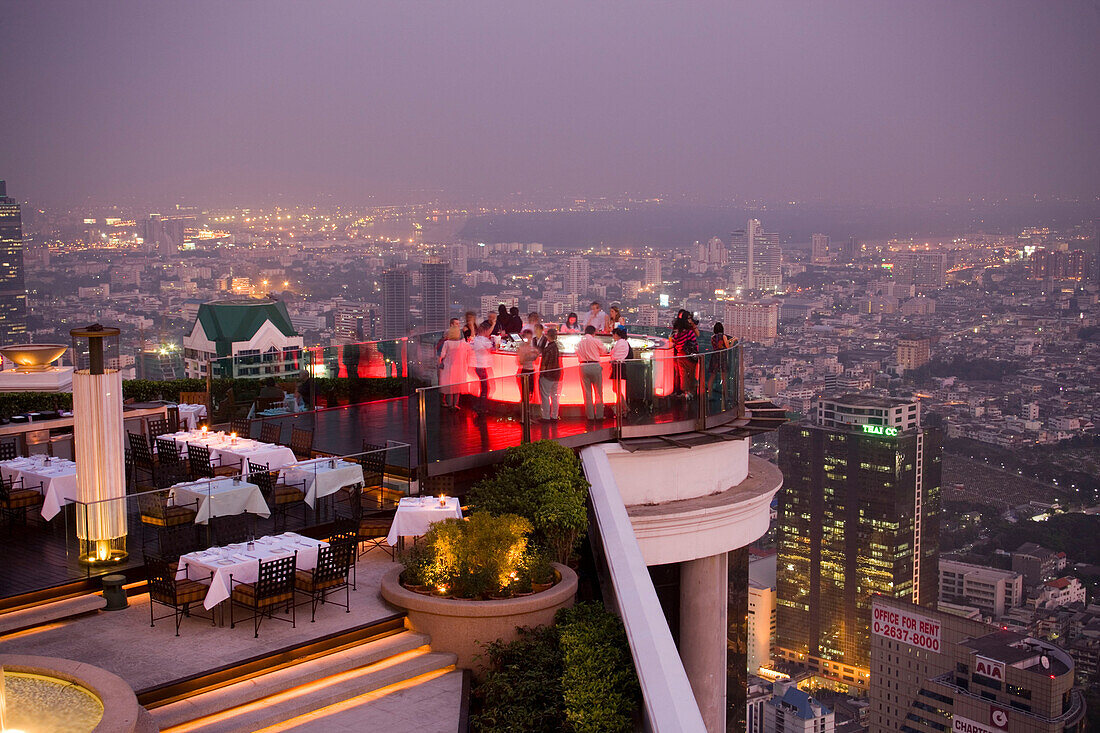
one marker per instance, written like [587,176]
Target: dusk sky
[235,102]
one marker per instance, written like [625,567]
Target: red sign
[991,668]
[912,628]
[998,718]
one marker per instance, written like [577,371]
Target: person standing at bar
[596,317]
[589,351]
[685,346]
[540,337]
[454,361]
[615,318]
[526,356]
[482,349]
[469,331]
[550,376]
[621,353]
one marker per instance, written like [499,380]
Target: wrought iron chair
[270,432]
[16,499]
[203,466]
[155,512]
[274,587]
[280,496]
[373,461]
[334,564]
[8,450]
[141,455]
[194,398]
[301,442]
[172,415]
[176,540]
[169,460]
[242,426]
[179,595]
[231,528]
[158,428]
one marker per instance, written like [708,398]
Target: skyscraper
[459,255]
[754,258]
[435,293]
[924,270]
[13,291]
[819,249]
[752,321]
[858,515]
[576,275]
[653,272]
[395,304]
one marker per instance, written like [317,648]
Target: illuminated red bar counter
[655,352]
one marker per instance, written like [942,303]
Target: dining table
[219,497]
[416,514]
[54,477]
[321,477]
[242,563]
[229,450]
[190,415]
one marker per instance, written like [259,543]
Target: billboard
[908,627]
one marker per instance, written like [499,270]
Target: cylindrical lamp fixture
[98,446]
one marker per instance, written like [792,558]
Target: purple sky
[837,101]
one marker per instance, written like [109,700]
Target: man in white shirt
[589,351]
[482,347]
[620,353]
[596,318]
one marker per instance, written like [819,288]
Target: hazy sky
[832,100]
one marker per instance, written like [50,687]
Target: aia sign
[990,668]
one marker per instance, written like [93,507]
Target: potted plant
[415,562]
[540,570]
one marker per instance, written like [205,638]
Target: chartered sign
[960,724]
[906,626]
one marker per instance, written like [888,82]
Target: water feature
[38,703]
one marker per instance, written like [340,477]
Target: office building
[354,323]
[160,363]
[754,258]
[396,321]
[653,272]
[819,249]
[936,671]
[790,710]
[923,270]
[458,256]
[435,294]
[1075,264]
[757,321]
[246,338]
[991,590]
[163,235]
[913,352]
[851,250]
[13,290]
[761,624]
[1037,563]
[859,515]
[576,276]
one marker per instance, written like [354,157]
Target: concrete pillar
[703,584]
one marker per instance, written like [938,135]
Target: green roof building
[243,338]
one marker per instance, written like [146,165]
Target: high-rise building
[576,276]
[936,671]
[819,249]
[754,258]
[913,352]
[160,363]
[435,293]
[761,623]
[992,590]
[395,304]
[851,250]
[653,272]
[752,321]
[858,516]
[1075,264]
[458,255]
[924,270]
[13,291]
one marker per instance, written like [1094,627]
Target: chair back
[230,528]
[153,504]
[5,489]
[198,458]
[301,442]
[344,547]
[162,581]
[193,398]
[270,432]
[373,461]
[328,565]
[140,452]
[168,451]
[436,485]
[276,578]
[242,426]
[158,428]
[266,403]
[7,450]
[176,540]
[172,414]
[259,474]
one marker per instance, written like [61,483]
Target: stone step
[246,691]
[26,618]
[320,693]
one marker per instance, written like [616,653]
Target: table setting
[191,414]
[54,477]
[416,514]
[227,449]
[242,561]
[220,497]
[323,477]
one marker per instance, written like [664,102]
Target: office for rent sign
[912,628]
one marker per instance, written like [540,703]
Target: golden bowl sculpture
[33,357]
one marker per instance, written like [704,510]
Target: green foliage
[521,690]
[598,681]
[576,676]
[16,403]
[474,558]
[1061,533]
[543,482]
[538,566]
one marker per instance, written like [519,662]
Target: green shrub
[541,481]
[576,676]
[480,556]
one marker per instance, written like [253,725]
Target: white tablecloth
[321,479]
[220,497]
[57,479]
[228,451]
[416,513]
[191,414]
[244,564]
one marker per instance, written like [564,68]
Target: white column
[703,589]
[100,469]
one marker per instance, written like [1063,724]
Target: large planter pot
[463,626]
